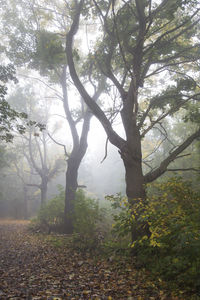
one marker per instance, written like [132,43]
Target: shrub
[86,218]
[52,213]
[119,241]
[172,251]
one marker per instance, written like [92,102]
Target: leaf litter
[33,268]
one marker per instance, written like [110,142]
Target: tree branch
[106,151]
[188,169]
[31,157]
[65,150]
[34,184]
[114,138]
[71,122]
[47,85]
[170,111]
[151,176]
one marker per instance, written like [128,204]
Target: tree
[12,197]
[11,121]
[149,51]
[46,54]
[37,159]
[55,65]
[78,151]
[8,116]
[187,165]
[34,144]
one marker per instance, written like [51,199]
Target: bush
[51,214]
[172,251]
[86,217]
[120,238]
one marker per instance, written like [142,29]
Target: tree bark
[73,165]
[70,191]
[43,188]
[135,189]
[25,206]
[78,150]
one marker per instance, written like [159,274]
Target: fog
[101,171]
[36,162]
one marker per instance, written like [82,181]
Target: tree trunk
[135,189]
[43,188]
[135,192]
[25,206]
[70,191]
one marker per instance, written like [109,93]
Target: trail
[31,268]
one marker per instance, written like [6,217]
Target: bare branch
[188,169]
[183,155]
[71,121]
[97,111]
[164,115]
[31,158]
[151,176]
[47,85]
[65,150]
[33,184]
[106,151]
[82,186]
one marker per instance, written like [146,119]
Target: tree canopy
[146,53]
[8,116]
[150,52]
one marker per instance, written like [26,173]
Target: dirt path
[31,268]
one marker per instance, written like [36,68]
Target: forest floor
[32,267]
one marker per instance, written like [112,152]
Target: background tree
[142,43]
[9,118]
[34,144]
[46,54]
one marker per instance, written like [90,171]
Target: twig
[188,169]
[65,150]
[106,151]
[35,78]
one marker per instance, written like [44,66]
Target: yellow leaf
[86,292]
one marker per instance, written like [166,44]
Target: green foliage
[49,53]
[172,251]
[5,157]
[86,217]
[193,113]
[122,219]
[119,240]
[8,116]
[11,119]
[52,213]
